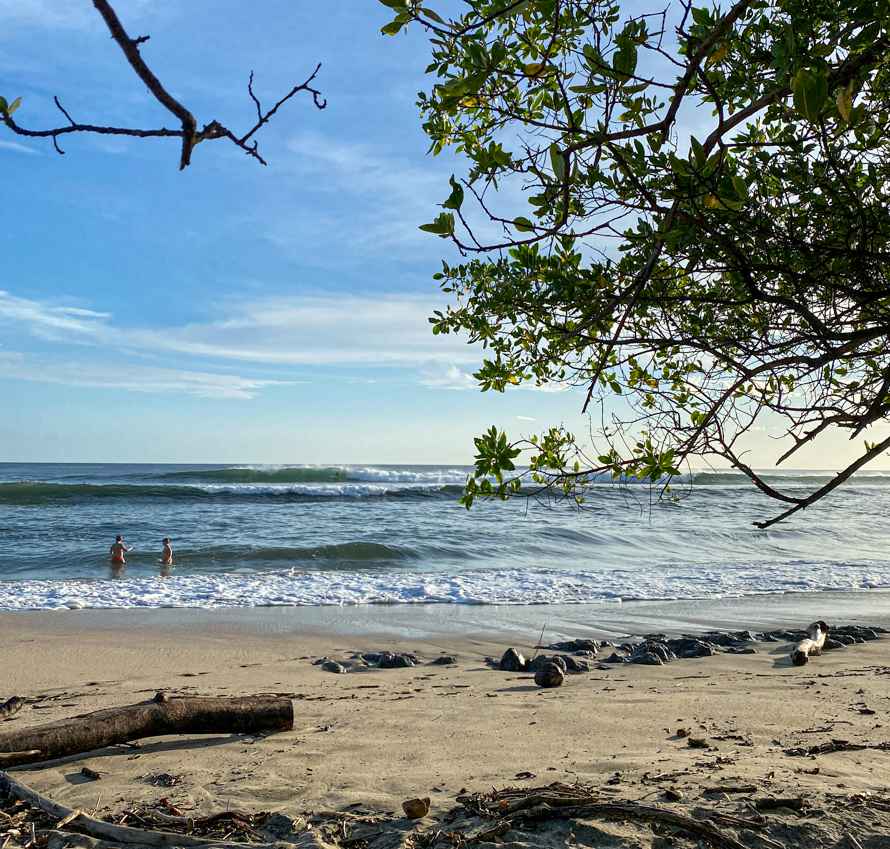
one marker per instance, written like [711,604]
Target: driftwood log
[107,830]
[222,715]
[811,645]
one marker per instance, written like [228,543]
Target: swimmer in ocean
[166,558]
[117,550]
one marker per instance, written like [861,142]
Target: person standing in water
[117,550]
[166,553]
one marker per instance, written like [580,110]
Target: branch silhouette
[188,130]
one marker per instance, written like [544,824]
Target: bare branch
[130,47]
[189,133]
[866,458]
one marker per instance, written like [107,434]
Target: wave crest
[32,492]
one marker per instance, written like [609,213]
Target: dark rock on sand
[647,658]
[388,660]
[726,640]
[573,665]
[445,660]
[590,655]
[568,663]
[577,645]
[661,650]
[536,663]
[833,644]
[722,638]
[333,666]
[543,659]
[856,631]
[512,661]
[686,647]
[615,658]
[549,675]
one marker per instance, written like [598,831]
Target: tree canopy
[687,208]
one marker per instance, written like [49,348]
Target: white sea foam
[321,490]
[503,586]
[433,476]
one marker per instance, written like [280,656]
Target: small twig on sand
[540,641]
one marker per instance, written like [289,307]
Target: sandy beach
[380,736]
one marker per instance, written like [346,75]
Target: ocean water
[249,536]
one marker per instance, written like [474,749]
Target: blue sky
[230,312]
[234,312]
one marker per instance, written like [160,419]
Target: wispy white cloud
[383,330]
[19,148]
[390,196]
[49,321]
[135,378]
[525,418]
[437,375]
[362,169]
[393,194]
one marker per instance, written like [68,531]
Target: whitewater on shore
[260,536]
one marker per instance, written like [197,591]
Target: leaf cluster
[720,282]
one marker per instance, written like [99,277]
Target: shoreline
[377,737]
[483,622]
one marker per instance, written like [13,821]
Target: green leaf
[729,203]
[14,105]
[678,166]
[624,60]
[592,55]
[810,93]
[523,225]
[558,163]
[4,106]
[431,15]
[392,28]
[443,226]
[398,5]
[702,17]
[456,198]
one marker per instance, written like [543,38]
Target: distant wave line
[32,492]
[317,474]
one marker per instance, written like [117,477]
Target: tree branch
[189,133]
[130,47]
